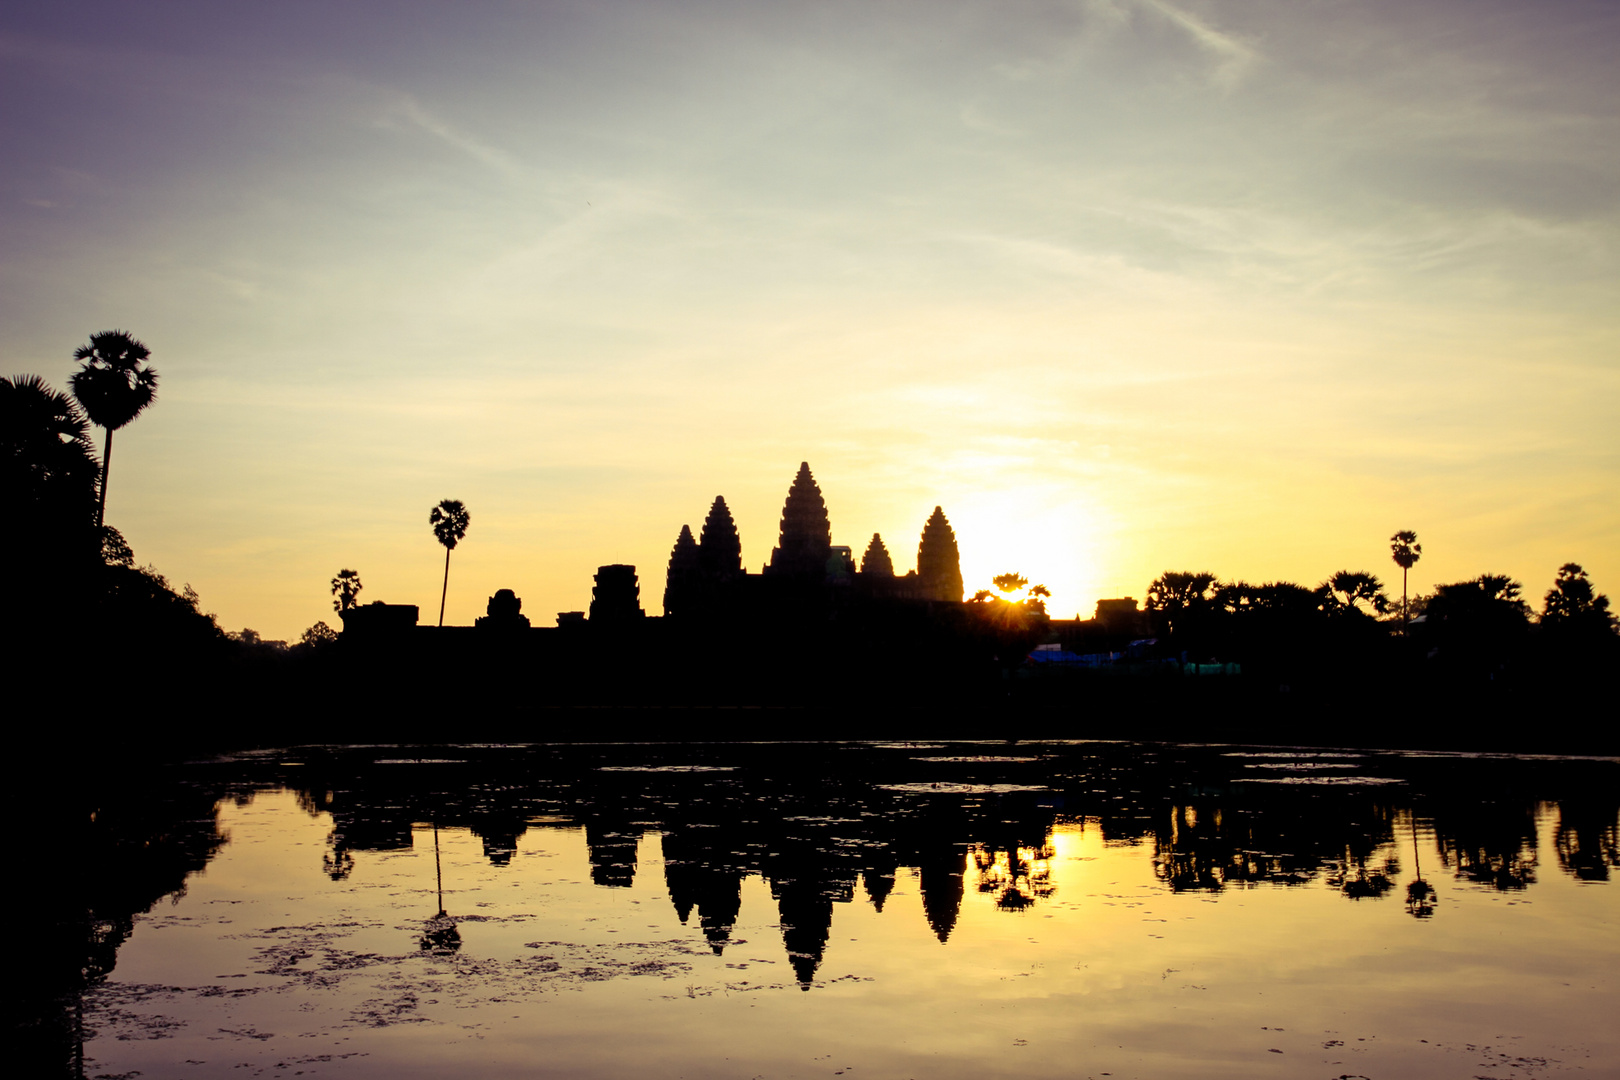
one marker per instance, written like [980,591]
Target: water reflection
[821,828]
[440,933]
[1420,895]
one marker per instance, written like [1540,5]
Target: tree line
[1480,631]
[83,580]
[1571,605]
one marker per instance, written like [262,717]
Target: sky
[1125,286]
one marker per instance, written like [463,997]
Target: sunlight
[1050,536]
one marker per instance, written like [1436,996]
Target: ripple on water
[947,788]
[1319,780]
[667,768]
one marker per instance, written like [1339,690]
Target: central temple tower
[806,539]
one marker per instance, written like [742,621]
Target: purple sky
[1125,285]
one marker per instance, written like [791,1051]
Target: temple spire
[683,569]
[876,561]
[939,567]
[806,538]
[720,548]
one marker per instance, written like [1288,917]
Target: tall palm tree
[1405,550]
[48,466]
[449,520]
[114,385]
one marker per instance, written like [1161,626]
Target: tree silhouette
[113,384]
[318,636]
[449,520]
[1011,627]
[1009,609]
[1354,588]
[1573,603]
[1496,594]
[1009,583]
[115,550]
[346,587]
[1504,590]
[1477,626]
[1177,594]
[876,561]
[1406,551]
[1241,598]
[49,467]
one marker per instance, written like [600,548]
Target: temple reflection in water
[829,826]
[819,839]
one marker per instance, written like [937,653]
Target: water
[876,911]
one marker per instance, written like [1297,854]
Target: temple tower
[876,561]
[683,572]
[617,596]
[806,538]
[720,548]
[939,568]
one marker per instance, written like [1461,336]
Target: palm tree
[48,472]
[1009,583]
[114,385]
[449,520]
[346,587]
[1356,587]
[44,442]
[1572,602]
[1181,597]
[1405,550]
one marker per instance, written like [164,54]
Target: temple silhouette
[812,625]
[806,571]
[878,651]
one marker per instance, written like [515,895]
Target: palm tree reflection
[1420,895]
[439,934]
[1016,876]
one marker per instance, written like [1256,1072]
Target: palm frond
[449,520]
[114,384]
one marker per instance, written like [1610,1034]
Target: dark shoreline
[1474,724]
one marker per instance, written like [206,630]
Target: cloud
[409,109]
[1233,56]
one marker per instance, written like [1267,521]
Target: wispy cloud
[412,112]
[1233,57]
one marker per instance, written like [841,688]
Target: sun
[1052,541]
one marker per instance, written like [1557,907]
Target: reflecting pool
[865,910]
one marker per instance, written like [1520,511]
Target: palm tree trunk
[446,590]
[1406,611]
[438,872]
[106,463]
